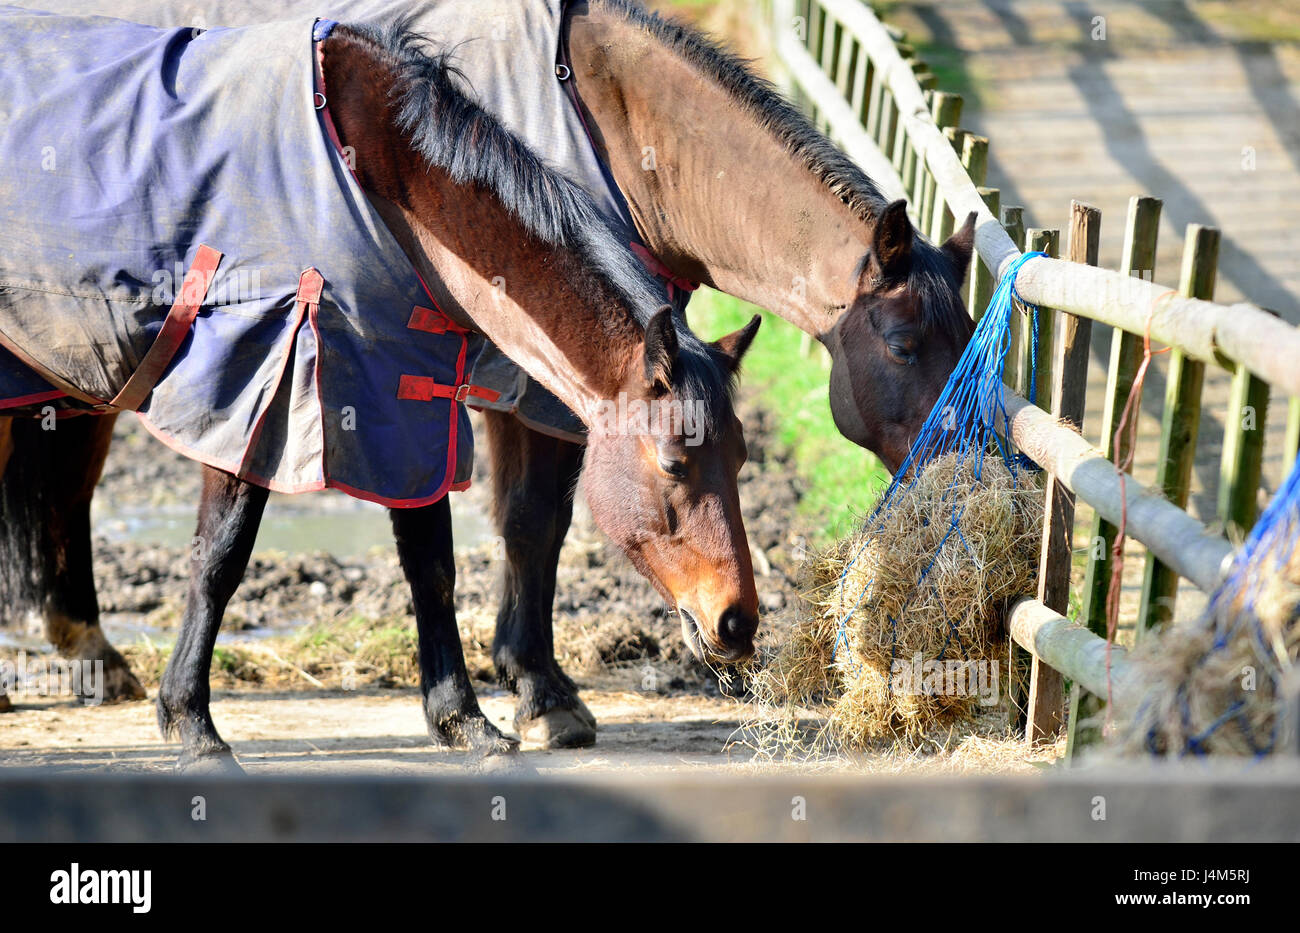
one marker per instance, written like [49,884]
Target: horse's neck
[567,328]
[716,196]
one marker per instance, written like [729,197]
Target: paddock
[314,681]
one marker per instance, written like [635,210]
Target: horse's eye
[903,353]
[674,468]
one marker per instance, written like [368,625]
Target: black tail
[45,518]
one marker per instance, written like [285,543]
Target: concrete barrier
[1154,804]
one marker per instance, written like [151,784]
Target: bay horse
[467,202]
[746,197]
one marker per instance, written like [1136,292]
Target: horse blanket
[508,51]
[182,237]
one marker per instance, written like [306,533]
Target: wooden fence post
[1243,453]
[1046,686]
[1291,446]
[981,279]
[1139,258]
[946,110]
[1037,358]
[941,219]
[1018,660]
[1014,221]
[1069,401]
[1179,424]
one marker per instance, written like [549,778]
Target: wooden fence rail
[866,87]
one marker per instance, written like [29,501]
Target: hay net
[1218,682]
[961,430]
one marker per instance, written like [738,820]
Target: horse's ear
[960,245]
[660,350]
[734,345]
[892,240]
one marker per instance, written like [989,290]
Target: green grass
[840,479]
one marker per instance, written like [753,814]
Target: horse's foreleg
[45,496]
[424,546]
[533,480]
[230,511]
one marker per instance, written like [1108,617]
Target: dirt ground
[314,668]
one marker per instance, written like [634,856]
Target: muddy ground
[315,666]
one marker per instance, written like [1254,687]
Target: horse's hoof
[584,714]
[5,703]
[474,733]
[211,764]
[559,728]
[119,683]
[87,643]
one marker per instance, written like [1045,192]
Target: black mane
[932,276]
[451,131]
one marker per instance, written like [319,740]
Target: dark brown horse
[746,197]
[581,315]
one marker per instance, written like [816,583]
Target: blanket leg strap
[425,389]
[174,330]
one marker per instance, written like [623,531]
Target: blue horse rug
[183,238]
[510,54]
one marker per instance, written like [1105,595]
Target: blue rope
[964,421]
[1231,611]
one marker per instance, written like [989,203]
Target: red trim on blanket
[310,285]
[318,62]
[194,289]
[288,489]
[432,321]
[34,399]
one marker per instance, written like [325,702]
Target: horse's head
[894,348]
[660,478]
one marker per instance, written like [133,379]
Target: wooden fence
[866,88]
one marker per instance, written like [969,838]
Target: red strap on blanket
[431,321]
[425,389]
[174,331]
[656,267]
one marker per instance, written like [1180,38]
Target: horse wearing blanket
[589,84]
[338,261]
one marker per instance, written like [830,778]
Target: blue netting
[963,421]
[1232,614]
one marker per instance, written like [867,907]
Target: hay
[1215,683]
[881,681]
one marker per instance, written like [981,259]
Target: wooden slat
[975,157]
[860,95]
[1242,465]
[1043,241]
[1291,446]
[946,109]
[1013,221]
[1180,423]
[1138,258]
[1069,401]
[844,63]
[981,280]
[1046,706]
[940,217]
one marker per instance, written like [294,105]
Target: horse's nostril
[736,627]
